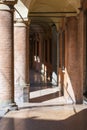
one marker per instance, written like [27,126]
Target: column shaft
[21,62]
[6,55]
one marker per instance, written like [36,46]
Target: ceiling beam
[31,16]
[68,12]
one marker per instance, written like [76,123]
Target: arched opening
[54,32]
[54,56]
[43,61]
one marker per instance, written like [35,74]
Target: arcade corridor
[43,64]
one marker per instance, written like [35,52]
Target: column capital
[22,22]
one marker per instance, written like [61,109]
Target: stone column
[21,62]
[6,54]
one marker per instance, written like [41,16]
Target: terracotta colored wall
[73,70]
[6,57]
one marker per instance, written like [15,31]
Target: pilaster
[73,70]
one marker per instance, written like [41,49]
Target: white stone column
[21,62]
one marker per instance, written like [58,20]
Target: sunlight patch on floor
[43,92]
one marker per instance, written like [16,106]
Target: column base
[12,107]
[21,93]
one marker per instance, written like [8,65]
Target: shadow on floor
[41,87]
[75,122]
[44,98]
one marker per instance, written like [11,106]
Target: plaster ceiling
[44,10]
[52,5]
[57,5]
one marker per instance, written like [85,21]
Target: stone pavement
[46,111]
[46,117]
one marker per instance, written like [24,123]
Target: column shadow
[74,122]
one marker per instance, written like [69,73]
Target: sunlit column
[74,61]
[21,61]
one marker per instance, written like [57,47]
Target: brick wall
[6,57]
[73,84]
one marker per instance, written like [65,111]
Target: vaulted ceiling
[55,5]
[52,5]
[51,10]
